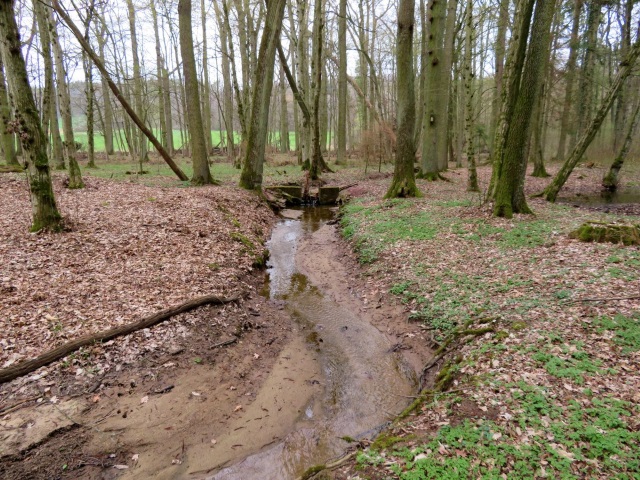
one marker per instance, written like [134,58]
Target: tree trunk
[551,192]
[622,112]
[512,75]
[317,161]
[107,111]
[139,141]
[434,93]
[501,36]
[574,46]
[403,183]
[610,180]
[586,92]
[6,138]
[27,124]
[64,97]
[472,182]
[252,168]
[341,131]
[443,130]
[284,114]
[509,197]
[206,89]
[303,77]
[227,88]
[201,174]
[162,114]
[89,91]
[536,150]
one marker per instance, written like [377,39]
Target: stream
[360,384]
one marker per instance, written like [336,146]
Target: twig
[11,408]
[604,299]
[225,343]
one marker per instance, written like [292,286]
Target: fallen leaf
[238,408]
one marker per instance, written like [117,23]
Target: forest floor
[538,333]
[541,333]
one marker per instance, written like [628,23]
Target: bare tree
[27,124]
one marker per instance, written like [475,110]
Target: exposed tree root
[28,366]
[313,471]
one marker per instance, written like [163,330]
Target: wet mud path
[361,384]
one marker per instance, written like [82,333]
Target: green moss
[600,232]
[385,440]
[311,471]
[243,239]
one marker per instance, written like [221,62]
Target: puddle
[605,198]
[361,385]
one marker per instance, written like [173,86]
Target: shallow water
[622,196]
[364,384]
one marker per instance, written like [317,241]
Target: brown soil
[329,261]
[189,392]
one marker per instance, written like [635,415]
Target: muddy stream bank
[260,390]
[360,383]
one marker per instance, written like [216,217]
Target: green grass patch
[626,329]
[573,442]
[574,366]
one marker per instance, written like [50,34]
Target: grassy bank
[541,357]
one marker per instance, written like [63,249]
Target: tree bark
[89,90]
[140,143]
[403,183]
[434,94]
[317,161]
[227,88]
[284,114]
[574,45]
[472,181]
[509,197]
[6,138]
[201,174]
[27,124]
[64,97]
[501,36]
[107,109]
[252,168]
[341,130]
[610,180]
[206,88]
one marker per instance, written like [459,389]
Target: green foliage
[571,442]
[574,366]
[626,329]
[523,233]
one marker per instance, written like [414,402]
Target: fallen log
[28,366]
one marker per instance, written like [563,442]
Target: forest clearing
[534,334]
